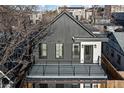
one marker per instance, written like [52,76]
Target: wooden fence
[110,70]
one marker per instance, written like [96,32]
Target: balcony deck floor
[68,71]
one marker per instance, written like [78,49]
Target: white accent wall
[96,50]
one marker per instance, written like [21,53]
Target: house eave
[82,39]
[67,77]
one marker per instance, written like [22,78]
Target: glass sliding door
[88,54]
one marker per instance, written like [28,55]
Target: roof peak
[79,23]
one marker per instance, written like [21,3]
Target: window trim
[40,51]
[107,50]
[112,53]
[62,51]
[73,51]
[77,17]
[118,59]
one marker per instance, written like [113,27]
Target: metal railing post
[43,70]
[74,71]
[89,70]
[46,62]
[71,62]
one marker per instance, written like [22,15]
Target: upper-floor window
[71,13]
[42,50]
[31,16]
[112,52]
[59,50]
[107,50]
[77,17]
[36,15]
[76,51]
[119,59]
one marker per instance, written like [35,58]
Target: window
[59,50]
[36,15]
[42,50]
[95,85]
[37,21]
[77,17]
[88,49]
[33,85]
[75,85]
[87,85]
[76,51]
[43,85]
[119,59]
[112,53]
[59,85]
[71,13]
[107,50]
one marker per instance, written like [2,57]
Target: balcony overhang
[82,39]
[66,72]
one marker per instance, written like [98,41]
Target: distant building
[91,15]
[109,9]
[118,18]
[109,27]
[36,17]
[114,49]
[81,13]
[77,12]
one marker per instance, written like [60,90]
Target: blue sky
[47,7]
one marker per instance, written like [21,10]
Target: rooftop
[71,8]
[120,38]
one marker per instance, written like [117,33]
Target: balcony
[66,71]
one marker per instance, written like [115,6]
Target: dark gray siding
[61,31]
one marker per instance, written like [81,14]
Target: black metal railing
[71,65]
[67,69]
[62,61]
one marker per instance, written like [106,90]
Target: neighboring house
[69,56]
[108,27]
[89,14]
[114,49]
[36,17]
[118,18]
[109,9]
[77,12]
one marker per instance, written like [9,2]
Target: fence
[110,70]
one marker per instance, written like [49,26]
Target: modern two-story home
[69,56]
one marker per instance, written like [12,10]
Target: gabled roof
[71,8]
[76,21]
[45,32]
[120,39]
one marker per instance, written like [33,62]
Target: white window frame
[43,50]
[73,50]
[59,50]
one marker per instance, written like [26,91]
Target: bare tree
[19,35]
[15,21]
